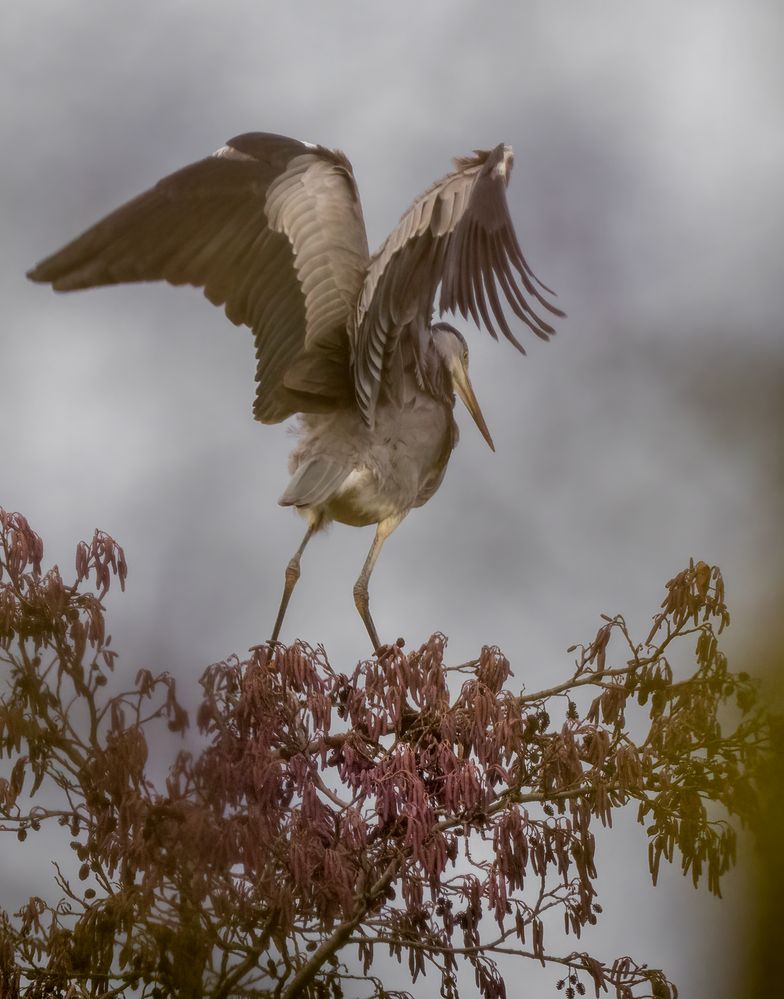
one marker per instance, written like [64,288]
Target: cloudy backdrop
[646,191]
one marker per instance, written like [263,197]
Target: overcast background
[646,191]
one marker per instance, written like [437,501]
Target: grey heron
[271,228]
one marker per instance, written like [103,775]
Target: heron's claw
[385,651]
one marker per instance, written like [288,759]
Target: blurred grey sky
[646,192]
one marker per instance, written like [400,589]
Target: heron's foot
[264,651]
[384,651]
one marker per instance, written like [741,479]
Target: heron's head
[453,351]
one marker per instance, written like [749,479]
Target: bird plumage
[272,229]
[345,470]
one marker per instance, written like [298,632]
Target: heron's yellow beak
[462,385]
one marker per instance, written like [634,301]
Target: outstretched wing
[268,226]
[458,234]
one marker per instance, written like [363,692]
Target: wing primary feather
[527,275]
[234,265]
[465,248]
[482,276]
[495,303]
[510,287]
[192,263]
[518,302]
[537,325]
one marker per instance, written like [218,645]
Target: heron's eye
[465,358]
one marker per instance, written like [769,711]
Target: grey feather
[315,482]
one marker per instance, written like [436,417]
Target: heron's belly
[395,466]
[360,502]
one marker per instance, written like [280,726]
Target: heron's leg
[292,575]
[361,597]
